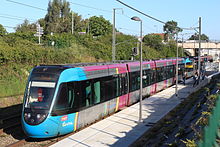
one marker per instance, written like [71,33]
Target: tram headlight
[27,115]
[40,117]
[34,118]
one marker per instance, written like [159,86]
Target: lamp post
[199,53]
[135,18]
[177,62]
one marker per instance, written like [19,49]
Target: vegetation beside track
[19,52]
[183,126]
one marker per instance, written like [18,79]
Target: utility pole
[72,23]
[114,34]
[88,25]
[39,35]
[199,53]
[87,31]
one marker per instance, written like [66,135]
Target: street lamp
[135,18]
[177,62]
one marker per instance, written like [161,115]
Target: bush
[19,49]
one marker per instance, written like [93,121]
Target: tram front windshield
[40,91]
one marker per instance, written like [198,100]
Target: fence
[211,132]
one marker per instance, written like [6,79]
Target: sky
[185,12]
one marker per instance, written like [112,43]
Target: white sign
[43,84]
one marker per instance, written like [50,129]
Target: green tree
[80,24]
[170,28]
[99,26]
[58,17]
[196,37]
[153,40]
[25,27]
[2,30]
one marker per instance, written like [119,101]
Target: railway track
[18,143]
[10,122]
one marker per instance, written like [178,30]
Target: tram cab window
[39,95]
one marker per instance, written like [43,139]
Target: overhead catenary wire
[9,27]
[109,11]
[16,18]
[151,17]
[120,28]
[141,12]
[11,18]
[26,5]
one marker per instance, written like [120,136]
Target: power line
[141,12]
[13,16]
[9,27]
[26,5]
[151,17]
[91,7]
[120,28]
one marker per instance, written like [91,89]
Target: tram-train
[60,99]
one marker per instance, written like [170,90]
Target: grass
[13,79]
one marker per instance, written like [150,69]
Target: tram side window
[171,71]
[110,87]
[91,94]
[147,79]
[135,81]
[159,74]
[152,76]
[88,93]
[123,84]
[168,72]
[97,93]
[71,95]
[166,69]
[164,73]
[63,100]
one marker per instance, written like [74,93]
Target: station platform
[123,128]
